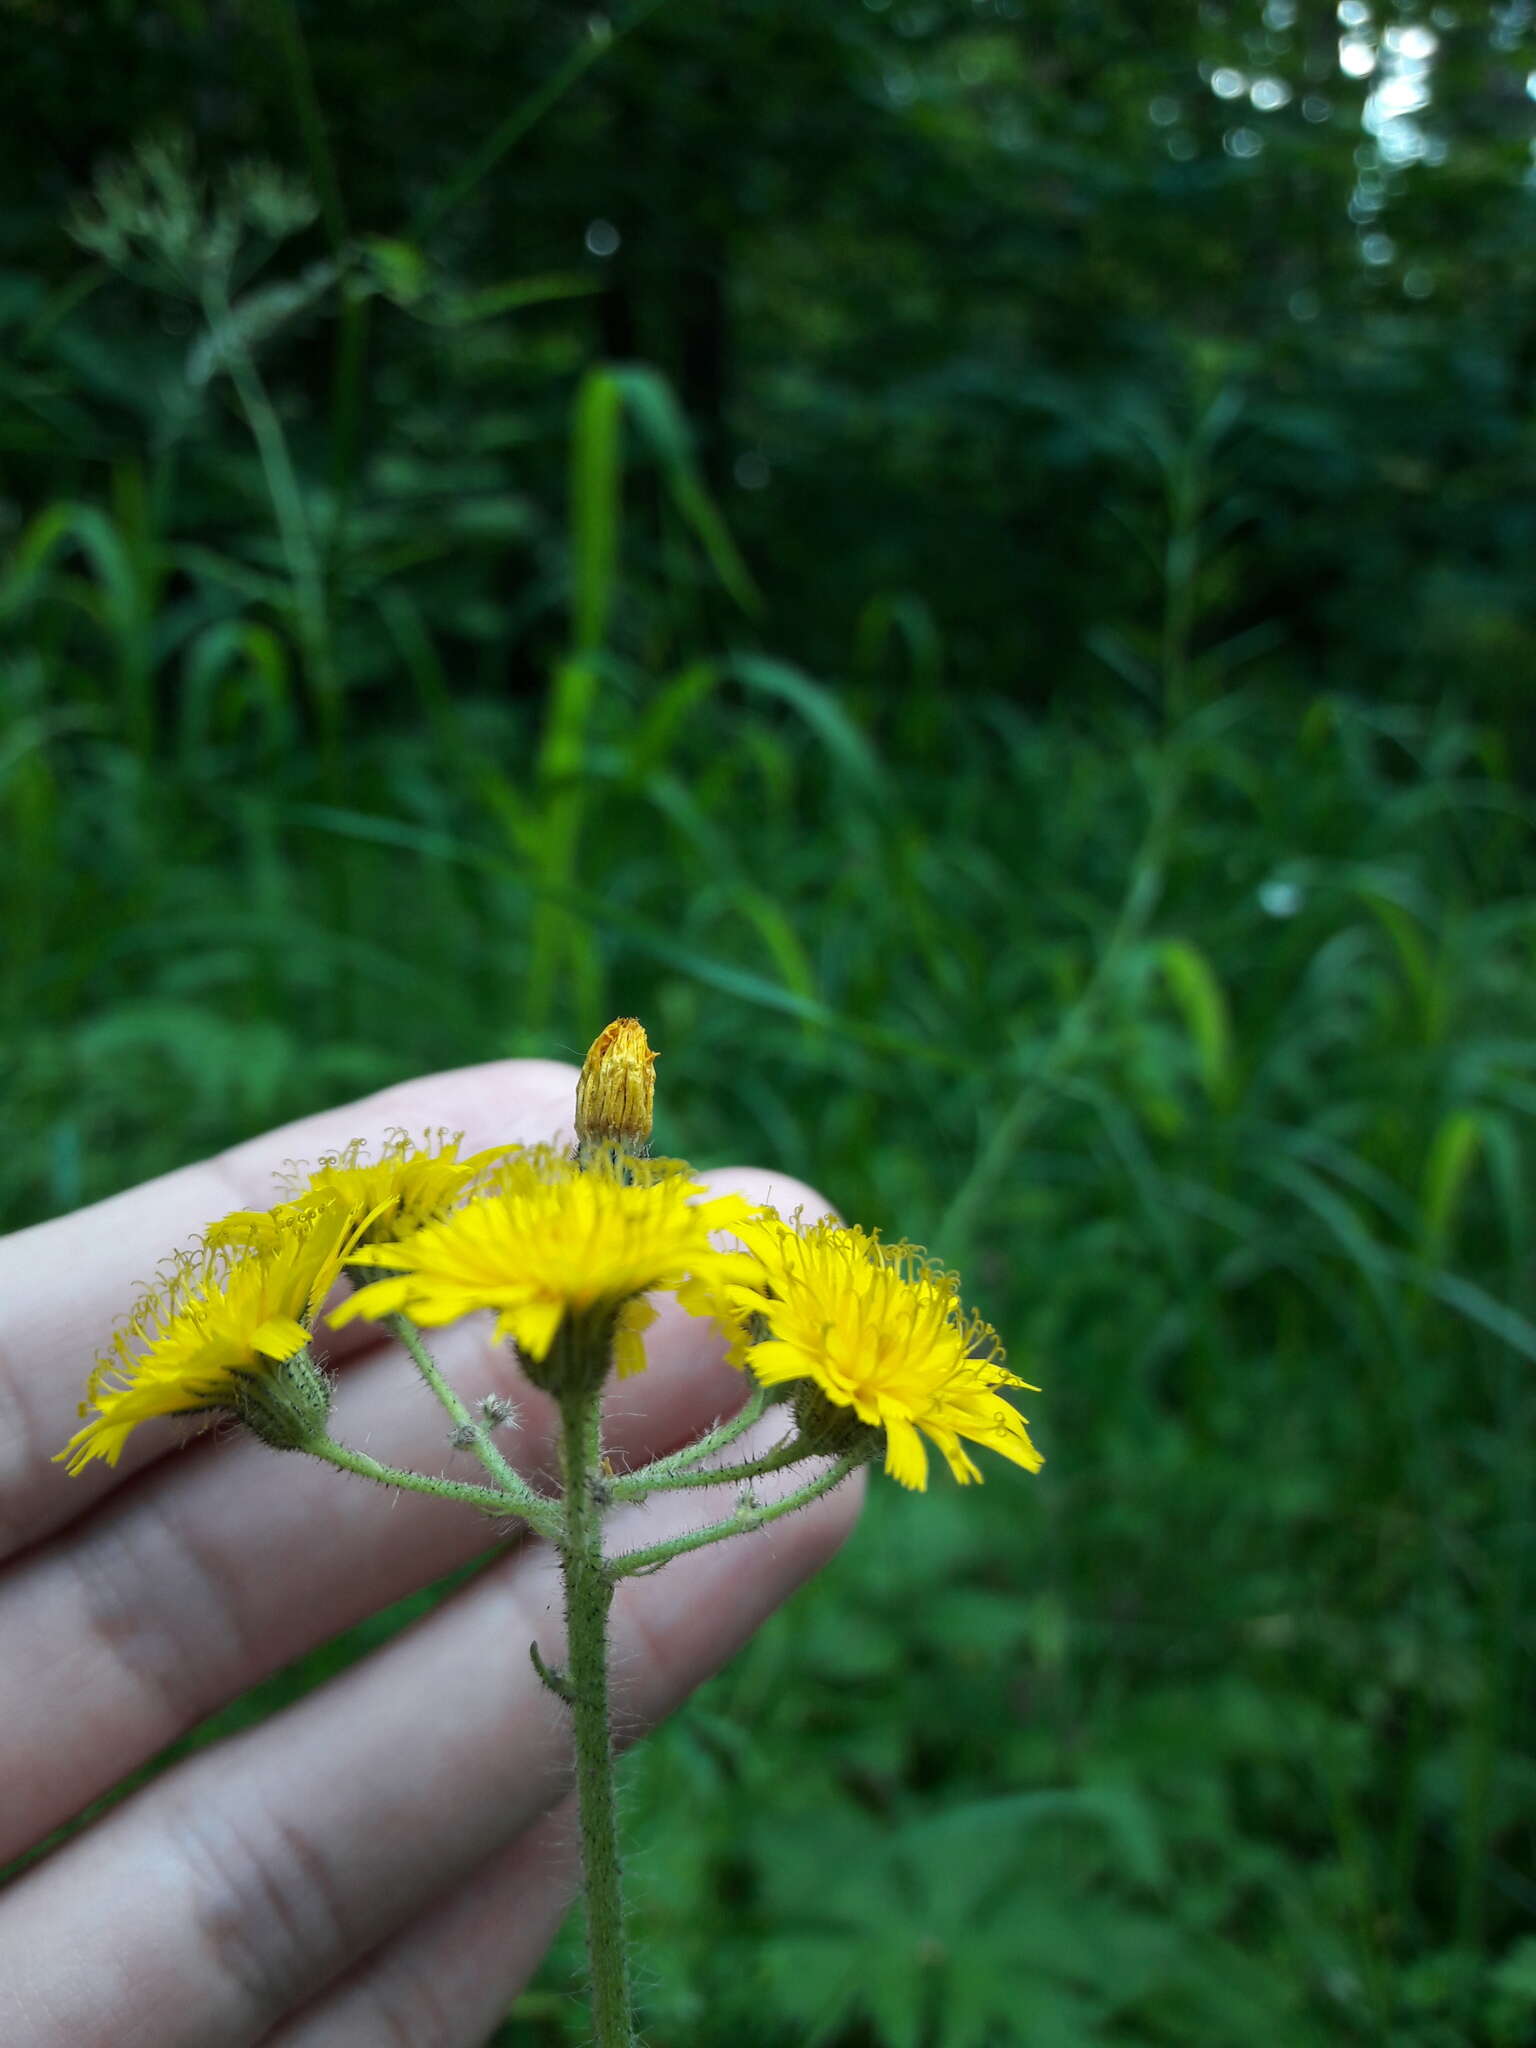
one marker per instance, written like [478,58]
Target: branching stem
[518,1495]
[747,1517]
[794,1452]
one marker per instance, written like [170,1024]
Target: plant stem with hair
[588,1597]
[520,1495]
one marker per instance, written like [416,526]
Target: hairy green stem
[794,1452]
[745,1519]
[488,1499]
[588,1596]
[518,1493]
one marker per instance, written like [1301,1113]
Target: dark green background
[972,569]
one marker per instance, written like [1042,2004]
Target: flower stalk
[518,1495]
[588,1597]
[750,1514]
[489,1500]
[794,1451]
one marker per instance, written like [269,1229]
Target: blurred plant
[152,218]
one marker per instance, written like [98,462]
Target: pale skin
[387,1860]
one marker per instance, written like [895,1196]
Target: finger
[447,1980]
[245,1879]
[65,1284]
[227,1562]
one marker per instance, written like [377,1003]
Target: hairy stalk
[794,1452]
[516,1491]
[588,1596]
[488,1499]
[746,1518]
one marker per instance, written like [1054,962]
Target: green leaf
[1453,1154]
[1515,1976]
[661,423]
[1193,985]
[821,712]
[595,476]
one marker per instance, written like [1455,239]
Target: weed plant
[1202,1033]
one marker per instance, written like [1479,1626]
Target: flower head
[406,1186]
[549,1241]
[226,1330]
[616,1089]
[878,1331]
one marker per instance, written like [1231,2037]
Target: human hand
[388,1858]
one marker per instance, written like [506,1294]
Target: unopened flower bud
[617,1088]
[496,1409]
[464,1436]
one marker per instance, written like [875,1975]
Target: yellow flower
[224,1330]
[550,1243]
[407,1186]
[879,1331]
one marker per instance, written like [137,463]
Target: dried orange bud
[617,1088]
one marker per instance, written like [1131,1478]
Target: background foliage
[969,563]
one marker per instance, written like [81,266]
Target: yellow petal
[279,1337]
[772,1363]
[533,1324]
[628,1348]
[391,1256]
[1010,1442]
[905,1458]
[381,1298]
[965,1469]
